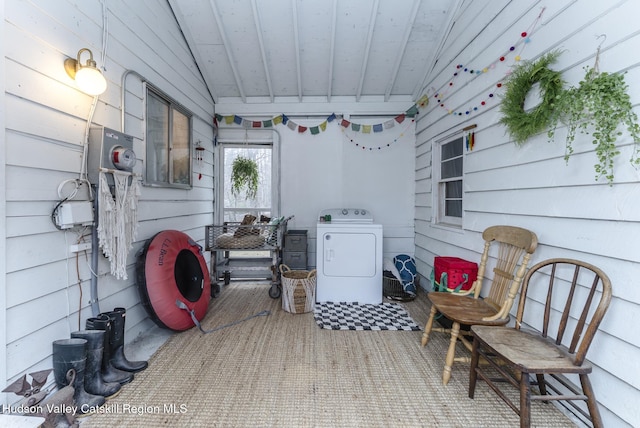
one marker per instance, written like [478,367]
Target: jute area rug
[282,370]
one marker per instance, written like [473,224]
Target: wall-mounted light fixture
[88,78]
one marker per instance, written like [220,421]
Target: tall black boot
[118,359]
[109,372]
[72,354]
[93,381]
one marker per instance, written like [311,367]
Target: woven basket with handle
[298,290]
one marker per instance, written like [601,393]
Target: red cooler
[459,272]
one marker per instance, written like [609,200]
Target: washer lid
[348,215]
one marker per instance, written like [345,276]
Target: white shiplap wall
[3,206]
[329,170]
[531,186]
[45,125]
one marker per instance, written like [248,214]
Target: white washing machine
[348,257]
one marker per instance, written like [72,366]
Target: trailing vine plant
[522,124]
[598,106]
[244,174]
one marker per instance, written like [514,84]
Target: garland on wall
[349,127]
[322,126]
[354,139]
[515,49]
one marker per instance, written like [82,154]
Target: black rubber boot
[118,359]
[72,354]
[93,381]
[109,372]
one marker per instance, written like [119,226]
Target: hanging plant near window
[522,124]
[597,107]
[244,175]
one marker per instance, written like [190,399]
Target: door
[260,147]
[349,254]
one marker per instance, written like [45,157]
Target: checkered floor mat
[352,316]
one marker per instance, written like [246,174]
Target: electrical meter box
[109,150]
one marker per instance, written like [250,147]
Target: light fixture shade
[88,78]
[90,81]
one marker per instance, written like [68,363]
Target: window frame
[233,137]
[440,197]
[257,211]
[173,107]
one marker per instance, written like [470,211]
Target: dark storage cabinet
[295,249]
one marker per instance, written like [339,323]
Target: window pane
[453,208]
[180,148]
[168,142]
[450,187]
[240,204]
[453,189]
[452,149]
[157,139]
[451,168]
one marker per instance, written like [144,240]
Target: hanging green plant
[244,175]
[598,106]
[522,124]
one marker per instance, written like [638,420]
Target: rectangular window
[449,171]
[236,206]
[168,142]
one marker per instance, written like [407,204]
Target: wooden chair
[572,308]
[515,246]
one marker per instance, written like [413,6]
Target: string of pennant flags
[322,126]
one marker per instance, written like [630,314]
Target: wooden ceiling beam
[367,50]
[195,52]
[403,48]
[296,40]
[435,54]
[225,43]
[332,50]
[256,20]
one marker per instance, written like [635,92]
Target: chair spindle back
[514,248]
[581,297]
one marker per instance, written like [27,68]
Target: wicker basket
[392,289]
[298,290]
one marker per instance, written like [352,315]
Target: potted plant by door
[244,175]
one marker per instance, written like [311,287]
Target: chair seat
[464,309]
[528,350]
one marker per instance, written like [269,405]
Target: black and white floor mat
[352,316]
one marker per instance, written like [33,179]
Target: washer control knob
[345,211]
[356,212]
[363,212]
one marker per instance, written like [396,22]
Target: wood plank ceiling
[321,51]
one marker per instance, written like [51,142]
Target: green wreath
[520,123]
